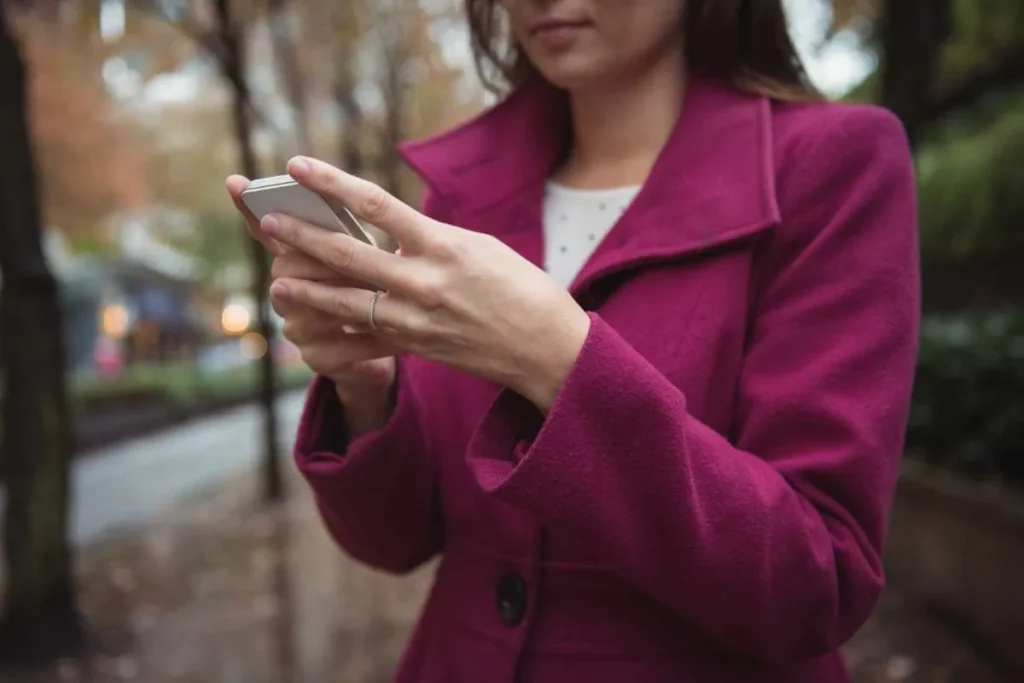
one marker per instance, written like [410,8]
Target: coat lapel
[713,182]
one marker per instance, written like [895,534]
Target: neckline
[565,190]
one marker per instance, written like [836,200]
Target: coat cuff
[515,448]
[331,462]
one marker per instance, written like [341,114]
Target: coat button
[511,599]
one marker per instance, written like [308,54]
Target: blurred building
[149,303]
[145,304]
[122,311]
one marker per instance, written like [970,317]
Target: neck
[620,129]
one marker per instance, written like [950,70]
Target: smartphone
[282,194]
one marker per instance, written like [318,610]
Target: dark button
[511,596]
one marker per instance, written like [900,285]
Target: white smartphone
[282,194]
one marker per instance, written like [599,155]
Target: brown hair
[745,42]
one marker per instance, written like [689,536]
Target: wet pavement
[123,485]
[217,590]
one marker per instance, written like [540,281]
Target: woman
[671,456]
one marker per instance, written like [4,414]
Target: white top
[575,222]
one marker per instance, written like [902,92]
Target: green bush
[971,184]
[968,409]
[180,388]
[181,385]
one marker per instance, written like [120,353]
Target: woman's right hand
[361,366]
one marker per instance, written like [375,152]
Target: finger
[295,313]
[366,200]
[352,348]
[236,185]
[341,252]
[307,325]
[284,306]
[349,305]
[297,265]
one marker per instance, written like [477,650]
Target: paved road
[127,483]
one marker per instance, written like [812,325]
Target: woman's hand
[454,296]
[236,185]
[361,366]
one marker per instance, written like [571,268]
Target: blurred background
[154,528]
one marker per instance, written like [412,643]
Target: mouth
[559,34]
[558,25]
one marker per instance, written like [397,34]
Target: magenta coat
[707,499]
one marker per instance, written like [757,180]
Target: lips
[559,25]
[559,35]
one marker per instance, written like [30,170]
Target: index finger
[341,253]
[236,185]
[366,200]
[297,265]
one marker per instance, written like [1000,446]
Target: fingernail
[298,166]
[269,224]
[278,289]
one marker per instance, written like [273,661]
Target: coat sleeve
[377,493]
[770,544]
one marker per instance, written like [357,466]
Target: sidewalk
[116,488]
[217,591]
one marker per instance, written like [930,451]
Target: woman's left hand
[451,295]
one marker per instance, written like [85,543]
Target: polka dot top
[575,222]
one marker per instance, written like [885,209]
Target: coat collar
[713,181]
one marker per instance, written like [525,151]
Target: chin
[569,74]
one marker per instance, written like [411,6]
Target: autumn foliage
[89,158]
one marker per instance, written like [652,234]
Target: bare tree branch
[212,44]
[203,37]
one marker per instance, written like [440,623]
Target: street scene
[157,342]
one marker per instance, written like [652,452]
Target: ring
[373,310]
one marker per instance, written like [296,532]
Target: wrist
[553,363]
[365,410]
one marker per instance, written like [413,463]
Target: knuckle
[417,325]
[342,252]
[448,247]
[341,305]
[376,205]
[483,243]
[323,177]
[432,292]
[489,241]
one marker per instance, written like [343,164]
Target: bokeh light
[253,345]
[235,319]
[114,321]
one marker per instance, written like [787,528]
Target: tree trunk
[39,619]
[282,37]
[394,101]
[352,159]
[913,32]
[233,67]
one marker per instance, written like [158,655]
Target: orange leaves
[89,163]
